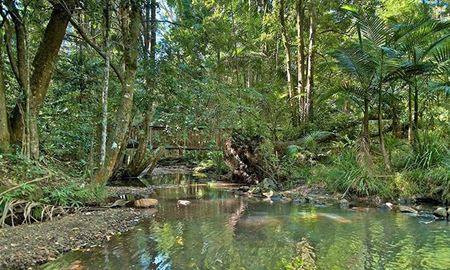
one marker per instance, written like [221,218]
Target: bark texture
[289,72]
[242,159]
[130,22]
[308,106]
[301,76]
[38,78]
[4,130]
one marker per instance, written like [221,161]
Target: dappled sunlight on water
[220,231]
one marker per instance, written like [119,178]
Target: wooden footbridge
[181,140]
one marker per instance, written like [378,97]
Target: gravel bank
[24,246]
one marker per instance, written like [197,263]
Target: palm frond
[374,29]
[441,60]
[355,62]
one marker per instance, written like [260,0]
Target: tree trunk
[396,125]
[380,117]
[4,129]
[105,87]
[43,65]
[139,160]
[130,17]
[365,124]
[310,71]
[416,110]
[290,81]
[301,76]
[410,117]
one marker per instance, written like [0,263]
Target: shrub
[430,150]
[348,173]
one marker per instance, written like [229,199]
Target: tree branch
[9,51]
[97,48]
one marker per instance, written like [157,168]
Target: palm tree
[386,53]
[368,61]
[419,42]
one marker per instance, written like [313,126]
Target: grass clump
[426,166]
[348,173]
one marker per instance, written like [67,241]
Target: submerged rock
[426,215]
[307,254]
[407,209]
[343,203]
[145,203]
[360,209]
[441,212]
[76,265]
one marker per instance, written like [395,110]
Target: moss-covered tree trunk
[4,130]
[130,22]
[139,160]
[37,79]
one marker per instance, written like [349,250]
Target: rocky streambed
[318,196]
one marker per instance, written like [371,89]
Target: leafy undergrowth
[421,169]
[45,183]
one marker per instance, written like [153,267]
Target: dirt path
[28,245]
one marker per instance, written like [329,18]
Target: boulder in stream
[387,206]
[441,212]
[145,203]
[407,209]
[183,202]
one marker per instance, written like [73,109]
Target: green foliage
[424,168]
[56,188]
[217,161]
[294,264]
[429,151]
[220,66]
[74,196]
[348,173]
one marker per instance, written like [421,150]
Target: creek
[219,230]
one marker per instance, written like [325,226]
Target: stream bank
[26,246]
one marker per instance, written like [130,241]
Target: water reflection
[219,231]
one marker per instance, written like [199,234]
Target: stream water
[221,231]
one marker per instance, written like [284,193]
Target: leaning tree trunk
[130,16]
[140,160]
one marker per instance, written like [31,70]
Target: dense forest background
[350,94]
